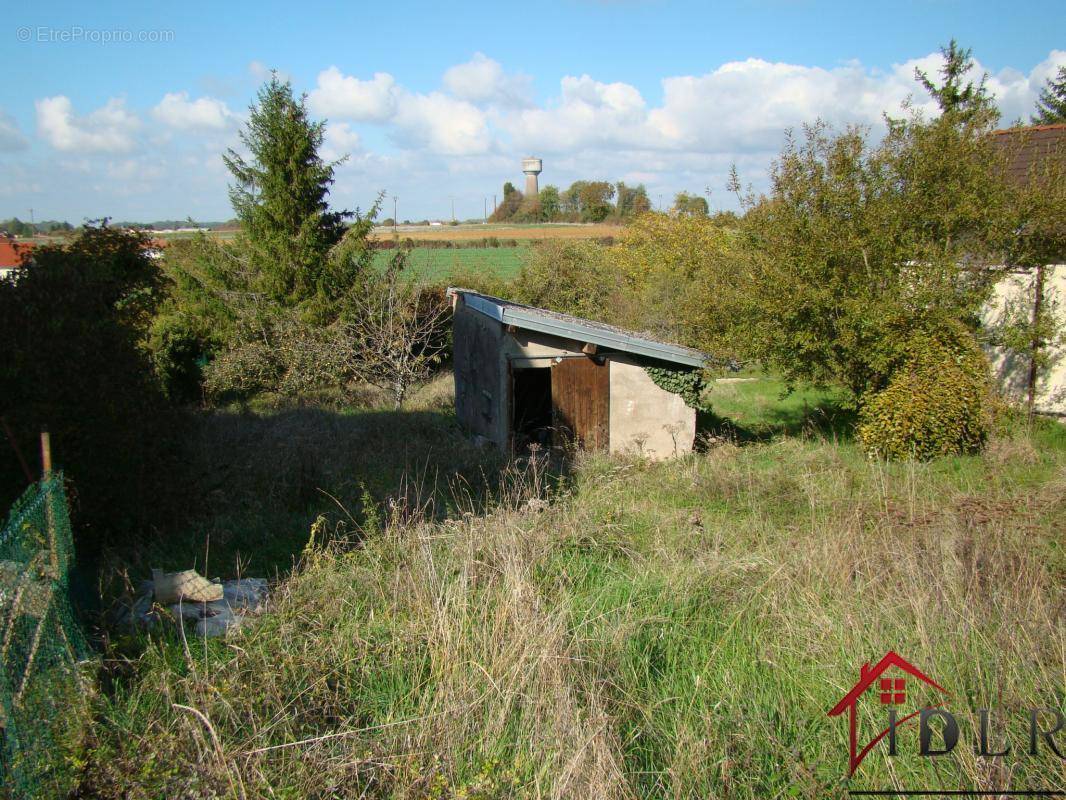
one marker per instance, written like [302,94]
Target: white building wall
[1012,369]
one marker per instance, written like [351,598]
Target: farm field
[451,233]
[555,230]
[439,265]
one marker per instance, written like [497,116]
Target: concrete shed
[528,375]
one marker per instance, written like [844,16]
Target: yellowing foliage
[682,276]
[937,403]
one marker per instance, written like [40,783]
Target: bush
[179,357]
[571,276]
[937,403]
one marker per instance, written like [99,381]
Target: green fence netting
[45,675]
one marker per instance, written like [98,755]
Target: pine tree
[280,198]
[1051,107]
[958,99]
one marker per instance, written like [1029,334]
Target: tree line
[18,227]
[588,201]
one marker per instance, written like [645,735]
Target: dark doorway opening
[531,421]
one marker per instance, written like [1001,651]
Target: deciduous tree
[632,201]
[550,206]
[692,205]
[857,245]
[392,334]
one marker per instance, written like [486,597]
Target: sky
[123,110]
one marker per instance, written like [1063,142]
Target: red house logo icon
[889,690]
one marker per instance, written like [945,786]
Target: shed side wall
[645,418]
[480,375]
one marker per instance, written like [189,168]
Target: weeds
[658,630]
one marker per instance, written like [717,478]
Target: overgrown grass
[677,629]
[257,477]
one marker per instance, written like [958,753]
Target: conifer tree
[280,197]
[1051,107]
[957,97]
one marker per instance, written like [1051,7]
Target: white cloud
[468,137]
[340,141]
[743,107]
[442,124]
[482,80]
[437,122]
[589,114]
[1017,93]
[339,95]
[11,138]
[109,129]
[176,110]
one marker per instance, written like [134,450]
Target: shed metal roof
[566,326]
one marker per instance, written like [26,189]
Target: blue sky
[436,100]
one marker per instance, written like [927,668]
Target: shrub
[571,276]
[684,281]
[179,357]
[938,402]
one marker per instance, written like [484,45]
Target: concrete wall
[532,349]
[1012,369]
[645,418]
[481,391]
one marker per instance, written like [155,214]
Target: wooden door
[581,391]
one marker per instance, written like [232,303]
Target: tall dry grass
[659,630]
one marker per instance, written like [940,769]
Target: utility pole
[485,210]
[394,220]
[494,204]
[453,209]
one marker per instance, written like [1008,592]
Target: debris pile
[209,608]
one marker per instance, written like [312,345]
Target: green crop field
[440,265]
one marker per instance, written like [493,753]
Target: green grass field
[661,630]
[434,265]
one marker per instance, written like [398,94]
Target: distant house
[1029,150]
[527,375]
[11,254]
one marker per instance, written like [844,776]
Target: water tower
[532,167]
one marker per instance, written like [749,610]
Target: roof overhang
[566,327]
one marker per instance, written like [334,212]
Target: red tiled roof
[11,252]
[1030,148]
